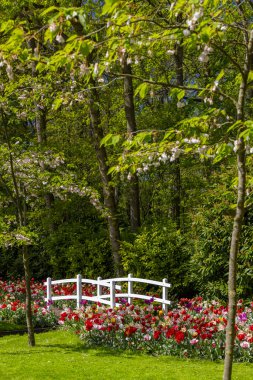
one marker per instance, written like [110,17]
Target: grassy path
[60,355]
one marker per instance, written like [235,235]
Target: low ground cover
[61,355]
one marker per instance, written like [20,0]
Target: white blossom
[170,52]
[192,140]
[236,145]
[96,69]
[84,69]
[52,27]
[59,38]
[186,32]
[203,57]
[197,15]
[9,72]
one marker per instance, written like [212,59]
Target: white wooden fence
[110,298]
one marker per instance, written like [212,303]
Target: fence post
[99,289]
[112,294]
[165,295]
[78,291]
[130,288]
[49,293]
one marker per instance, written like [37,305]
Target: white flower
[9,72]
[164,157]
[84,69]
[208,49]
[197,15]
[129,176]
[203,57]
[96,69]
[59,38]
[186,32]
[190,24]
[236,143]
[170,52]
[171,6]
[52,27]
[129,60]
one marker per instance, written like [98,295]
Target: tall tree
[134,193]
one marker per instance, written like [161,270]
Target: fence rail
[110,298]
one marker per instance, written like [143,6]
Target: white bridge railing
[110,298]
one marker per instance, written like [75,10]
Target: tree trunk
[21,221]
[108,190]
[176,207]
[238,220]
[30,329]
[232,296]
[134,193]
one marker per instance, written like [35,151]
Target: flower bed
[192,328]
[195,328]
[12,304]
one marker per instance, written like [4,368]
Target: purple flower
[148,302]
[243,317]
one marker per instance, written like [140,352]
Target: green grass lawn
[60,355]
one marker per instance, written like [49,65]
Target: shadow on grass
[70,348]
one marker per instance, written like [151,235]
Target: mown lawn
[60,355]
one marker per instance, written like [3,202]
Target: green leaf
[250,77]
[221,74]
[141,90]
[57,103]
[110,6]
[49,10]
[82,19]
[180,94]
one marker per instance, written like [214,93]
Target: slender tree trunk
[238,220]
[134,193]
[108,190]
[176,207]
[21,221]
[30,329]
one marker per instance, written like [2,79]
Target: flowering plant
[194,328]
[13,308]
